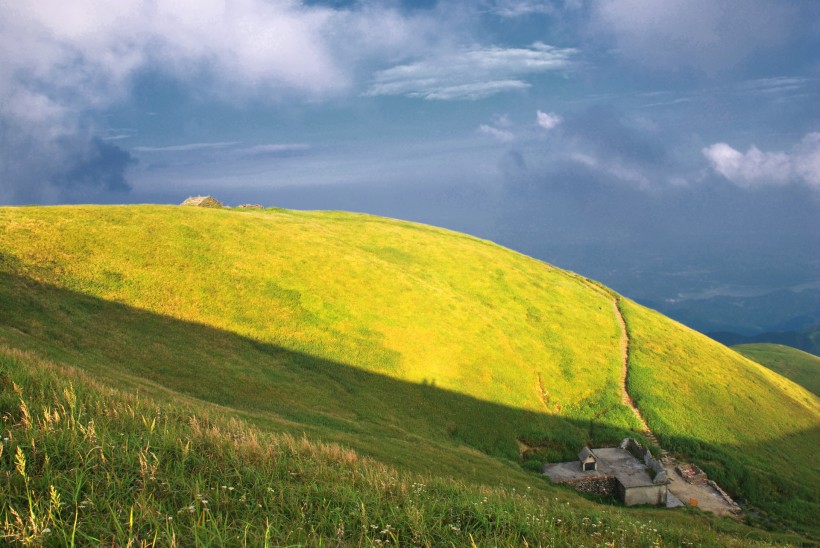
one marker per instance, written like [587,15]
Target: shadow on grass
[403,423]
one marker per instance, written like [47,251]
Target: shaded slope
[401,300]
[411,301]
[418,425]
[91,465]
[801,367]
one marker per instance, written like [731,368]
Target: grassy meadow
[801,367]
[423,352]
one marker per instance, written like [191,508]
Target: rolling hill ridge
[428,350]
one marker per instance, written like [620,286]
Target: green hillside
[807,340]
[801,367]
[428,350]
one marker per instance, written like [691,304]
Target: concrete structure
[616,472]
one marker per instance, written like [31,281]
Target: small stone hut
[588,459]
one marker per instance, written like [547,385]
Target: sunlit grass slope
[427,349]
[801,367]
[362,294]
[83,464]
[747,426]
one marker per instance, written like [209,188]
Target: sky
[669,148]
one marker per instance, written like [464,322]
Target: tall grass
[83,464]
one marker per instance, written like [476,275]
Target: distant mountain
[801,367]
[779,311]
[807,340]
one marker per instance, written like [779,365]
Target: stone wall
[644,494]
[633,448]
[645,455]
[601,486]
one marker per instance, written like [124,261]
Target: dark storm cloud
[101,165]
[610,134]
[36,169]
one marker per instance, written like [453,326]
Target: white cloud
[500,134]
[704,34]
[756,168]
[274,149]
[807,159]
[469,92]
[774,86]
[614,167]
[62,63]
[189,147]
[471,73]
[521,8]
[548,120]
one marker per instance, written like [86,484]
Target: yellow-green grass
[332,295]
[747,426]
[427,349]
[801,367]
[84,464]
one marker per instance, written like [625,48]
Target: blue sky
[627,139]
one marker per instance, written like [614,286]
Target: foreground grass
[801,367]
[81,463]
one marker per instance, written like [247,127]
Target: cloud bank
[756,168]
[702,34]
[61,64]
[500,134]
[471,73]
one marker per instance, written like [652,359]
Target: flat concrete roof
[612,462]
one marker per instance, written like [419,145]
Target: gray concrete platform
[612,462]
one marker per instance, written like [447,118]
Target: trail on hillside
[626,399]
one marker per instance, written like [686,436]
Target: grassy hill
[807,340]
[428,350]
[801,367]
